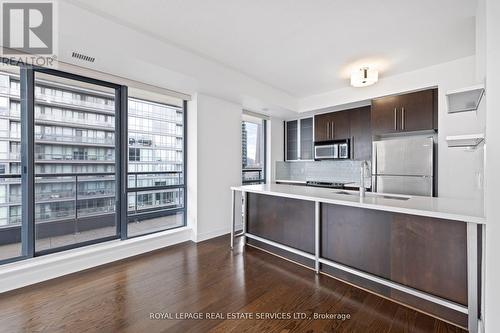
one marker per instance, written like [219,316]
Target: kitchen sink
[385,196]
[394,197]
[345,193]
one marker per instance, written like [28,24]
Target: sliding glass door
[74,161]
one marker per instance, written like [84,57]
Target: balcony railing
[150,114]
[10,156]
[71,101]
[75,139]
[77,198]
[66,195]
[72,120]
[74,157]
[252,176]
[13,217]
[170,183]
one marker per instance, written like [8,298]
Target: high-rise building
[244,140]
[74,155]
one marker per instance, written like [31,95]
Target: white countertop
[445,208]
[291,181]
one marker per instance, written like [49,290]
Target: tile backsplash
[342,171]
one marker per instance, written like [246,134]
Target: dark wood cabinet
[358,238]
[299,139]
[282,220]
[340,125]
[425,244]
[292,145]
[424,253]
[361,135]
[332,126]
[306,139]
[415,111]
[322,127]
[352,124]
[384,117]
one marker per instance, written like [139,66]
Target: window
[253,143]
[69,211]
[156,191]
[72,200]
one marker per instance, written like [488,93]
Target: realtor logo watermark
[28,34]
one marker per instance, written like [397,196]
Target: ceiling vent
[82,57]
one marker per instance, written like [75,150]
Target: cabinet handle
[327,130]
[395,119]
[351,152]
[403,118]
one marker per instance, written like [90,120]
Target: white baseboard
[212,234]
[216,233]
[26,272]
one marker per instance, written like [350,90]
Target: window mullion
[122,167]
[27,85]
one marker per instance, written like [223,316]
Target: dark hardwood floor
[207,278]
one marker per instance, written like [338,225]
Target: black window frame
[27,166]
[182,186]
[262,172]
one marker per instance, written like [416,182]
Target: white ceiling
[305,47]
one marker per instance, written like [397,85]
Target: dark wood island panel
[424,253]
[430,254]
[286,221]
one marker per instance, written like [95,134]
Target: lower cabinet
[282,220]
[424,253]
[357,238]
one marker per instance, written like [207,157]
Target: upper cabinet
[352,124]
[292,143]
[331,126]
[361,134]
[306,139]
[299,139]
[415,111]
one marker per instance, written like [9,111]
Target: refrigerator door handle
[403,118]
[374,167]
[395,119]
[374,159]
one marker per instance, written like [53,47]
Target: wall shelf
[465,99]
[465,141]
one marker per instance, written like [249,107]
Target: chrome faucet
[364,168]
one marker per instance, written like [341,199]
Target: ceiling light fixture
[364,76]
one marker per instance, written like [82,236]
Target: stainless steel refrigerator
[403,166]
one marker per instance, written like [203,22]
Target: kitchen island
[420,251]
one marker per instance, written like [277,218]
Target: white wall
[275,146]
[192,165]
[481,40]
[459,170]
[492,298]
[218,164]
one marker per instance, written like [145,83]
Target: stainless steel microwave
[331,150]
